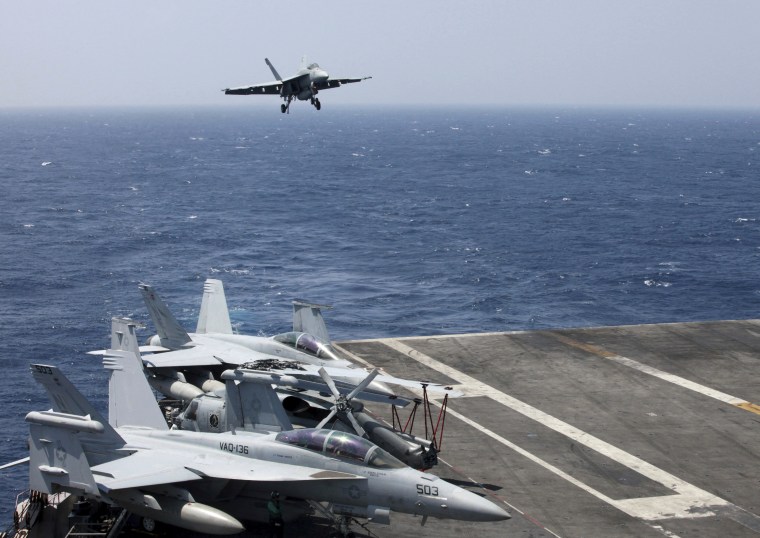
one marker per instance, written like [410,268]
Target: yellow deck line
[671,378]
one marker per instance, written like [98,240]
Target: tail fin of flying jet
[214,316]
[171,333]
[131,401]
[67,440]
[307,318]
[274,71]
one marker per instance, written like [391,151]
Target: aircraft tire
[283,108]
[148,524]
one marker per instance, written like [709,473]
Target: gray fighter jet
[246,399]
[210,482]
[214,344]
[304,85]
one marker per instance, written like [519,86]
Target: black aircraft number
[231,447]
[424,489]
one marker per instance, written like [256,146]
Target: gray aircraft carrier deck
[646,430]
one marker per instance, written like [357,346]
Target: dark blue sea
[407,221]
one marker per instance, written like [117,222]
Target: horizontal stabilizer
[63,441]
[67,399]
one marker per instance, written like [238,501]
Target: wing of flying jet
[268,88]
[337,82]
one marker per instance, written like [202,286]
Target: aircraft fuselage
[378,481]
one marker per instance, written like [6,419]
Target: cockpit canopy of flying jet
[308,344]
[313,66]
[341,444]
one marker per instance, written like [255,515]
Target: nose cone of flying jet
[467,506]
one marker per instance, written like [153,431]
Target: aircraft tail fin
[252,403]
[67,440]
[307,318]
[274,71]
[171,333]
[214,316]
[131,401]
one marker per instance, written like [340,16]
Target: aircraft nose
[468,506]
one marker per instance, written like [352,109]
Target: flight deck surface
[632,431]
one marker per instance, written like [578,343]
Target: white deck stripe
[677,380]
[660,374]
[689,501]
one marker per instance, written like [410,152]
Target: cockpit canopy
[307,343]
[340,444]
[313,66]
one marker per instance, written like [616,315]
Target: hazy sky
[694,53]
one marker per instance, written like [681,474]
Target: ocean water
[407,221]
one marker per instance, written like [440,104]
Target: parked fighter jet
[210,482]
[214,344]
[246,400]
[305,84]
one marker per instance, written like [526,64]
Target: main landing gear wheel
[148,524]
[318,104]
[283,108]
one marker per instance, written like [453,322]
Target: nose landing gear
[316,103]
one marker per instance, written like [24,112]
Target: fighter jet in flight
[303,85]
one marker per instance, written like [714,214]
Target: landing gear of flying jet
[316,103]
[285,107]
